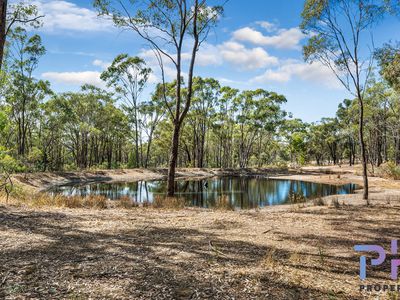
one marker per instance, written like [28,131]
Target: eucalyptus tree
[389,63]
[316,143]
[52,134]
[128,76]
[169,28]
[205,96]
[94,131]
[338,32]
[153,112]
[223,126]
[377,98]
[347,115]
[24,93]
[258,112]
[15,14]
[331,132]
[295,136]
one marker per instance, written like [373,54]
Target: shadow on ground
[146,261]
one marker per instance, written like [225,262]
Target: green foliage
[169,17]
[23,13]
[8,163]
[389,63]
[336,30]
[224,127]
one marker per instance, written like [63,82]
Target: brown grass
[43,199]
[126,202]
[168,202]
[223,203]
[47,200]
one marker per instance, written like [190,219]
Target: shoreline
[41,181]
[333,175]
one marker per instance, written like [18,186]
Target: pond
[240,192]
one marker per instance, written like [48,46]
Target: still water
[242,192]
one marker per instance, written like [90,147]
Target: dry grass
[46,200]
[126,202]
[271,259]
[92,201]
[42,199]
[168,202]
[223,203]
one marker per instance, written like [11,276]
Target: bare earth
[282,252]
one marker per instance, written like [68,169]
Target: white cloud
[283,39]
[230,52]
[269,27]
[152,62]
[246,58]
[64,15]
[75,78]
[100,63]
[315,72]
[207,55]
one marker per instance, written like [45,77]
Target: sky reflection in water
[242,192]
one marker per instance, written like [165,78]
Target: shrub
[335,202]
[319,202]
[296,198]
[390,170]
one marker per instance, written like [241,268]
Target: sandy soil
[282,252]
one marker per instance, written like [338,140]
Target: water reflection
[242,192]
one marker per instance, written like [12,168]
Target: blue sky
[254,46]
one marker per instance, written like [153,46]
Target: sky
[257,44]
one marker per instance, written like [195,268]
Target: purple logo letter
[375,261]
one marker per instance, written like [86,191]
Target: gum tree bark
[3,19]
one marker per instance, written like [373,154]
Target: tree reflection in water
[242,192]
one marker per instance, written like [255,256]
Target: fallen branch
[272,228]
[214,248]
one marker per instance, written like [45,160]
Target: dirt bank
[42,181]
[339,175]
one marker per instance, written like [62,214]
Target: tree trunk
[146,164]
[3,18]
[178,116]
[173,160]
[362,147]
